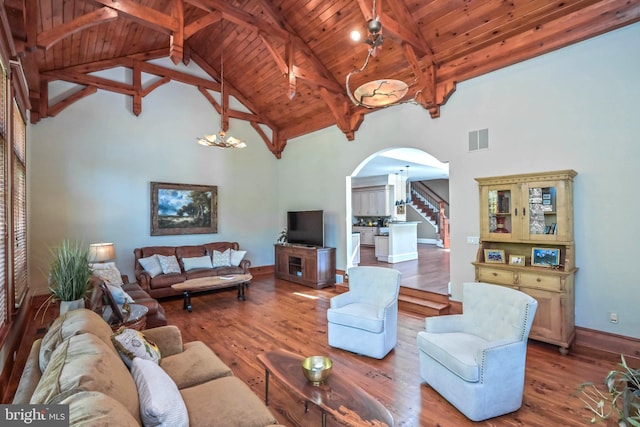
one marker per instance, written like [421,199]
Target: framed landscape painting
[183,209]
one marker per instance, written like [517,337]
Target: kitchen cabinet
[520,214]
[367,234]
[372,201]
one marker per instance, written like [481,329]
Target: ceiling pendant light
[221,139]
[376,93]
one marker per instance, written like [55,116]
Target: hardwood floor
[430,272]
[280,314]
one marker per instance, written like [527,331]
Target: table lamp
[101,252]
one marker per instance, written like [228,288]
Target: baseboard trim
[265,269]
[608,342]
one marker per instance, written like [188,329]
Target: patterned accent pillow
[196,262]
[169,264]
[131,343]
[221,259]
[236,257]
[108,272]
[151,265]
[160,401]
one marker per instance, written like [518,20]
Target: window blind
[19,197]
[4,312]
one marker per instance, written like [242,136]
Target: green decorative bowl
[317,369]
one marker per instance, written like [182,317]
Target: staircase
[433,209]
[422,303]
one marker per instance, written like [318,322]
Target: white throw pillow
[160,401]
[221,259]
[107,272]
[151,265]
[119,296]
[236,257]
[196,262]
[169,264]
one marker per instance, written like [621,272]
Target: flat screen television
[305,228]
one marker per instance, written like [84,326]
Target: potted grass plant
[620,398]
[69,275]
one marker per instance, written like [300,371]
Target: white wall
[572,109]
[90,170]
[90,167]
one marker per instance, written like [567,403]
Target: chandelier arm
[359,70]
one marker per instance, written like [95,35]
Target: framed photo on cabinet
[517,260]
[494,256]
[545,257]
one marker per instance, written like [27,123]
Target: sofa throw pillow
[119,295]
[151,265]
[131,343]
[196,262]
[160,401]
[236,257]
[107,272]
[221,259]
[169,264]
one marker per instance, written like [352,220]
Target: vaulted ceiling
[286,61]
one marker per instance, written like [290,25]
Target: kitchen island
[401,244]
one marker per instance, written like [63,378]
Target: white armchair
[364,320]
[476,360]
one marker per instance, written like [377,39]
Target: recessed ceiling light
[355,35]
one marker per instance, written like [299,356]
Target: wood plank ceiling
[287,60]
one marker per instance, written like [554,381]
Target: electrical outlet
[473,240]
[613,317]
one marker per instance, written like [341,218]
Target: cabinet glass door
[542,211]
[499,206]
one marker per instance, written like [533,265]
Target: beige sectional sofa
[77,364]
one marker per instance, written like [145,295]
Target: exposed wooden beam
[340,111]
[177,36]
[87,80]
[48,38]
[55,109]
[240,17]
[274,146]
[31,12]
[201,23]
[143,15]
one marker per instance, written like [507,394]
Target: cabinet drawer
[541,281]
[495,275]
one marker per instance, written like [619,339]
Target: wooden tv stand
[308,265]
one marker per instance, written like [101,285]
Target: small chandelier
[221,139]
[376,93]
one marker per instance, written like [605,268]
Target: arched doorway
[399,171]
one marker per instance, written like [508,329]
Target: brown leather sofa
[160,285]
[155,316]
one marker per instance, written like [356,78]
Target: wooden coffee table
[213,282]
[346,402]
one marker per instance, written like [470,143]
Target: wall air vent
[479,140]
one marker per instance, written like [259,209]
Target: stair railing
[437,204]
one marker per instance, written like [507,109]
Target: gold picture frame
[183,209]
[518,260]
[494,256]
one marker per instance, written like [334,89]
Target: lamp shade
[100,252]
